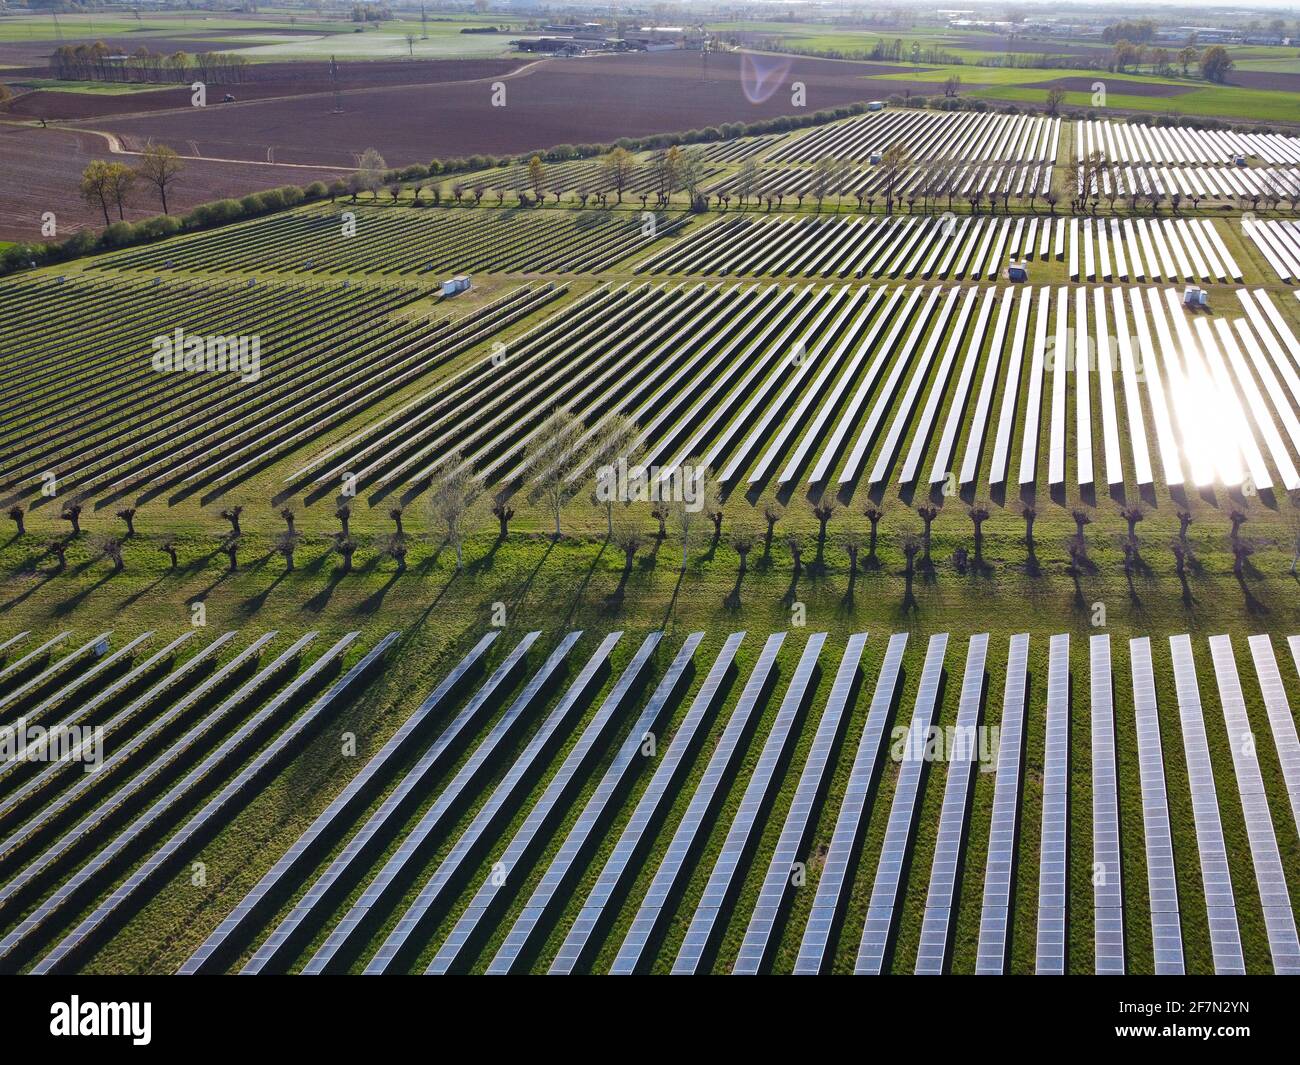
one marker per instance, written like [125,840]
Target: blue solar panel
[1220,902]
[1054,849]
[32,789]
[342,806]
[1107,882]
[14,669]
[1280,719]
[89,830]
[532,758]
[635,833]
[740,837]
[671,866]
[239,787]
[122,756]
[1162,878]
[794,833]
[963,750]
[584,831]
[512,866]
[434,819]
[722,881]
[991,952]
[879,924]
[1275,899]
[847,836]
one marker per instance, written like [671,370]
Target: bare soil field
[39,170]
[994,42]
[29,54]
[573,101]
[264,81]
[1265,79]
[1127,88]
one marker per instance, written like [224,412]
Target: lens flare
[762,75]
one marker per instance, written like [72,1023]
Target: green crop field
[891,437]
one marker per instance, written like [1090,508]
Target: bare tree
[72,514]
[127,514]
[553,454]
[17,516]
[452,500]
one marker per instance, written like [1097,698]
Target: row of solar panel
[227,763]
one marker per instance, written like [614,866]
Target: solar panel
[903,411]
[1007,417]
[30,790]
[97,646]
[847,836]
[1275,900]
[14,668]
[513,862]
[984,401]
[1169,451]
[34,752]
[921,430]
[1280,719]
[794,832]
[342,806]
[879,925]
[1220,903]
[1162,879]
[831,450]
[271,756]
[961,755]
[740,837]
[106,661]
[394,809]
[636,831]
[14,640]
[1034,404]
[965,376]
[1061,360]
[995,912]
[90,827]
[885,399]
[414,845]
[1054,853]
[652,909]
[1082,392]
[621,767]
[1107,871]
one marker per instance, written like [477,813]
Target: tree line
[98,62]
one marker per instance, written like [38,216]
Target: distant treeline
[881,52]
[98,62]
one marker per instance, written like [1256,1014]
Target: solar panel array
[633,838]
[878,929]
[1275,899]
[560,787]
[849,825]
[1107,869]
[651,913]
[1054,853]
[1162,879]
[963,750]
[497,806]
[999,868]
[794,832]
[1216,877]
[345,803]
[740,836]
[108,841]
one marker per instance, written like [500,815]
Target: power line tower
[424,24]
[334,80]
